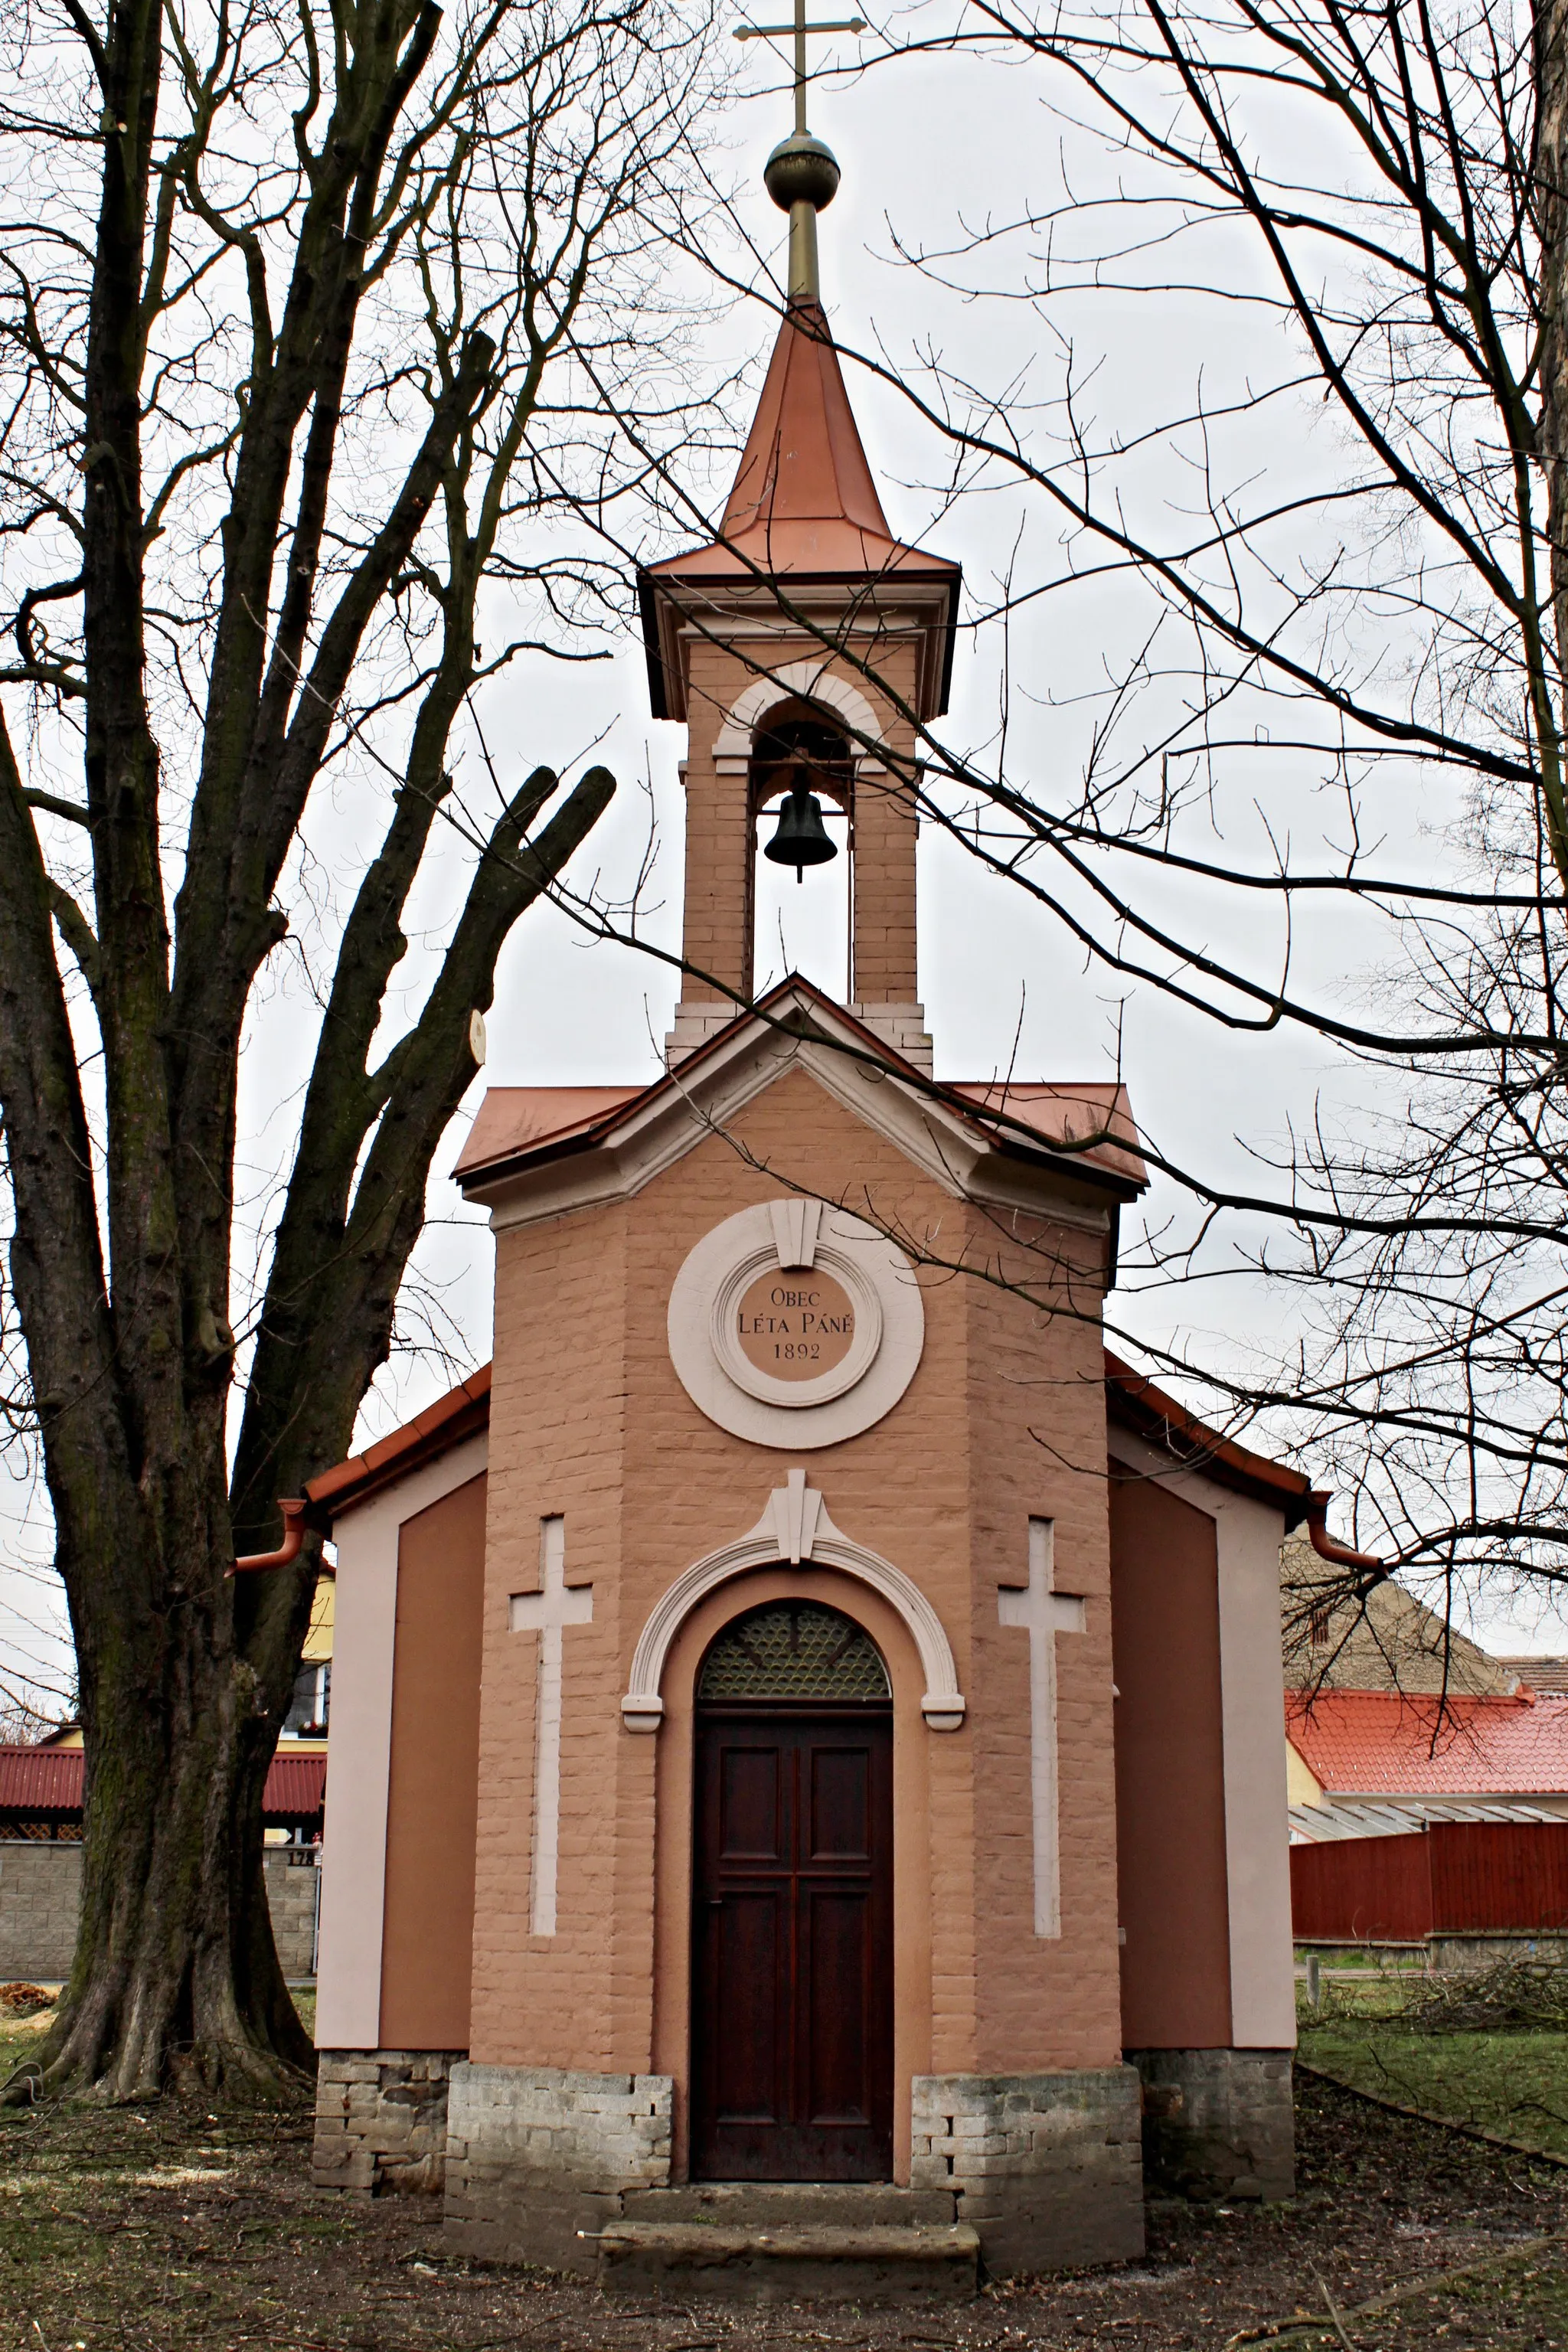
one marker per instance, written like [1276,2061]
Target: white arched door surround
[811,681]
[795,1527]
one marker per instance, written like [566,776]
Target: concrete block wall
[1218,2122]
[40,1899]
[381,2121]
[1048,2167]
[40,1896]
[292,1887]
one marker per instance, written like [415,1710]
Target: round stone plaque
[794,1325]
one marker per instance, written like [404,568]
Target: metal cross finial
[800,28]
[801,173]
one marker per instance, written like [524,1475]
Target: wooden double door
[792,1944]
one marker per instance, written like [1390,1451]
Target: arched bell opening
[791,1932]
[801,792]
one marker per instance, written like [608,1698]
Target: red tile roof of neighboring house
[48,1781]
[1384,1744]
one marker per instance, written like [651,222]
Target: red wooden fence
[1454,1878]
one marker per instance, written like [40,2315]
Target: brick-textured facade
[605,1436]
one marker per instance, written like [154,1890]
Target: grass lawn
[1513,2083]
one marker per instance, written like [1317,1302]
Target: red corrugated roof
[295,1785]
[41,1779]
[48,1781]
[1379,1743]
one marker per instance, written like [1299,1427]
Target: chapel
[807,1796]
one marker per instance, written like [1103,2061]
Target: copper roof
[804,507]
[1090,1123]
[513,1119]
[1137,1403]
[804,499]
[1092,1114]
[460,1413]
[513,1123]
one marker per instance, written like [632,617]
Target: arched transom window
[793,1650]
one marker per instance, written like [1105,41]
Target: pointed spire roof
[804,509]
[804,475]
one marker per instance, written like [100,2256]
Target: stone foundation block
[1217,2123]
[538,2158]
[381,2121]
[1048,2168]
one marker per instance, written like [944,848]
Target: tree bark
[122,1263]
[1552,183]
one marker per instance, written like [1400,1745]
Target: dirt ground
[147,2230]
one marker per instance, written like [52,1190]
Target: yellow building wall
[1301,1785]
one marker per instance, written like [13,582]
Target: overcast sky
[920,143]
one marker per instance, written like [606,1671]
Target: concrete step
[790,2260]
[773,2204]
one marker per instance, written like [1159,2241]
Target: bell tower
[801,646]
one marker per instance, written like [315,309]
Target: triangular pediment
[534,1152]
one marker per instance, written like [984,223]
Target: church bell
[801,838]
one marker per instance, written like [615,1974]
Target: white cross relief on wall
[1043,1614]
[544,1612]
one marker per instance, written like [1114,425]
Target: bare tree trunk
[121,1256]
[1552,182]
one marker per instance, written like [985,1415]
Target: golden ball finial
[802,170]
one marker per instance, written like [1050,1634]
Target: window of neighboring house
[1318,1628]
[307,1715]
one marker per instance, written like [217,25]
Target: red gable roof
[1381,1743]
[1090,1122]
[48,1781]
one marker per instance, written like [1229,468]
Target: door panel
[749,1982]
[750,1815]
[840,1805]
[839,2089]
[792,1944]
